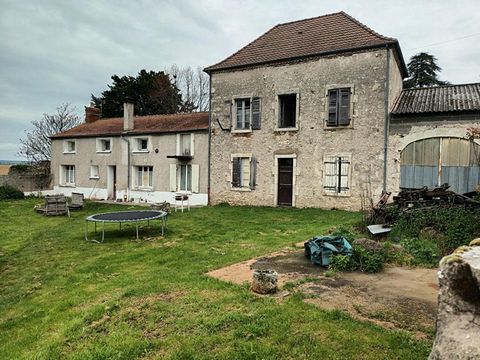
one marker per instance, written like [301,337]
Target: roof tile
[151,124]
[324,34]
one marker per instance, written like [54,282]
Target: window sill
[94,177]
[69,152]
[333,128]
[140,151]
[67,185]
[241,131]
[145,189]
[337,194]
[240,189]
[286,129]
[104,151]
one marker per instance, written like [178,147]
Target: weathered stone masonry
[364,140]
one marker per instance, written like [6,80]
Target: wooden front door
[285,181]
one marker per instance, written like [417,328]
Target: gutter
[209,135]
[128,165]
[387,120]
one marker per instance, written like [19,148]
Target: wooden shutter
[178,150]
[343,175]
[331,174]
[256,114]
[253,173]
[344,107]
[332,107]
[192,144]
[195,178]
[173,177]
[236,171]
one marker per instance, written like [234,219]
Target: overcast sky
[62,51]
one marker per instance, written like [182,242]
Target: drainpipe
[128,166]
[209,133]
[387,120]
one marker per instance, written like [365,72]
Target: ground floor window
[337,174]
[243,172]
[143,176]
[94,172]
[68,175]
[184,177]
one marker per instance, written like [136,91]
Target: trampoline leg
[137,229]
[103,231]
[120,226]
[95,227]
[86,230]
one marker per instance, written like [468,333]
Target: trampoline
[120,217]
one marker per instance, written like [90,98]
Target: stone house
[300,116]
[139,158]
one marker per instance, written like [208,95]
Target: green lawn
[61,297]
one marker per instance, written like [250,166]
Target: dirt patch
[398,297]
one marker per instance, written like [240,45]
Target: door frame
[294,176]
[111,182]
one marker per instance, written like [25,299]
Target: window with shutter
[242,172]
[339,107]
[337,175]
[144,176]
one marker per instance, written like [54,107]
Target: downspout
[209,134]
[387,120]
[128,166]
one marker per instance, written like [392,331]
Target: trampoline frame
[162,215]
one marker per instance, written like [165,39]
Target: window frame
[251,98]
[92,173]
[249,158]
[99,146]
[67,173]
[352,102]
[278,112]
[188,168]
[66,149]
[137,141]
[327,160]
[138,171]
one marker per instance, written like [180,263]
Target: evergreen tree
[423,71]
[151,92]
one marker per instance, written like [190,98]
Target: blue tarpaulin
[321,248]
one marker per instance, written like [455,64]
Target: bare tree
[193,85]
[36,145]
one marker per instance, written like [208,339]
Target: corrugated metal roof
[325,34]
[151,124]
[438,99]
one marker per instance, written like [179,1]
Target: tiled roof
[438,99]
[320,35]
[151,124]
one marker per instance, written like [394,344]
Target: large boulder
[264,281]
[458,318]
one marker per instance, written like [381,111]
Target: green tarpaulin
[321,248]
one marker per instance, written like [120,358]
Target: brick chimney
[128,115]
[92,113]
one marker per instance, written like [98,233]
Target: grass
[64,298]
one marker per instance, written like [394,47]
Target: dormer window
[69,147]
[104,145]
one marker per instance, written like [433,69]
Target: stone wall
[458,318]
[363,141]
[26,181]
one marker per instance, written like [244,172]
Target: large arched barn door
[434,161]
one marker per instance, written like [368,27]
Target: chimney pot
[92,113]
